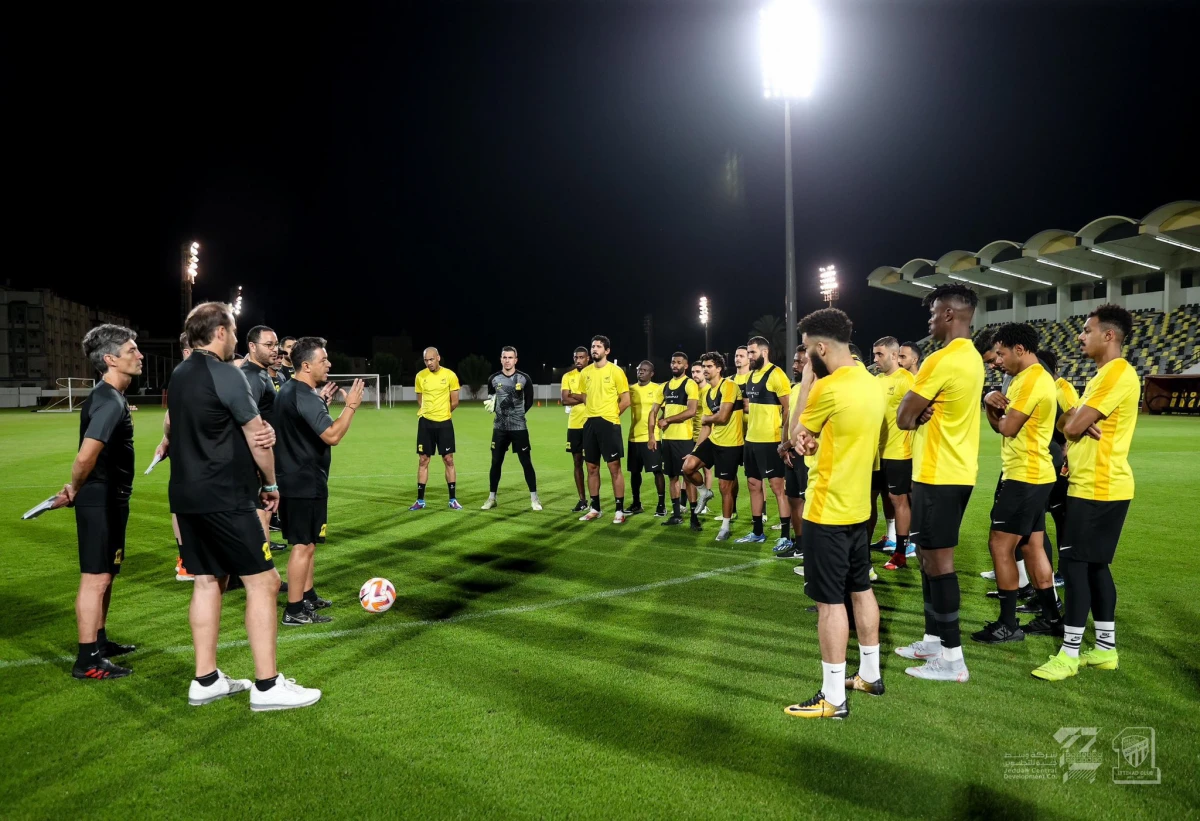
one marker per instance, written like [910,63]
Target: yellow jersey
[701,409]
[731,434]
[946,448]
[603,387]
[571,384]
[676,394]
[434,388]
[1066,394]
[899,442]
[764,390]
[845,411]
[1026,456]
[1100,469]
[641,399]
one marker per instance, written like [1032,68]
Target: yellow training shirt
[434,388]
[1026,456]
[764,390]
[603,387]
[946,448]
[1100,469]
[641,399]
[899,442]
[731,434]
[1066,394]
[571,382]
[676,393]
[845,411]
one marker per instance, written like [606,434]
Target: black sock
[901,546]
[450,486]
[635,481]
[1078,591]
[1104,592]
[675,506]
[620,501]
[946,600]
[662,499]
[931,625]
[310,594]
[785,527]
[1049,603]
[263,684]
[87,652]
[596,504]
[1008,608]
[295,608]
[209,680]
[758,528]
[420,491]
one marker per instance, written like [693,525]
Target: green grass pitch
[535,666]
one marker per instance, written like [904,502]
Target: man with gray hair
[100,486]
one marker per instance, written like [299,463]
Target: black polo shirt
[301,457]
[105,417]
[212,469]
[262,388]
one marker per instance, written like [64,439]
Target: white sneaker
[591,515]
[619,517]
[224,686]
[777,526]
[798,570]
[920,650]
[990,575]
[938,669]
[285,695]
[702,511]
[489,504]
[536,503]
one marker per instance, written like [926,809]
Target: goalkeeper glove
[489,404]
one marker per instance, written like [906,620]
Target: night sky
[481,174]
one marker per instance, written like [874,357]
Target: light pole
[789,37]
[237,302]
[190,254]
[829,284]
[705,319]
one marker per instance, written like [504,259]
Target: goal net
[371,393]
[69,394]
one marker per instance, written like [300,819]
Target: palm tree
[773,329]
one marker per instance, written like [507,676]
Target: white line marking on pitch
[408,625]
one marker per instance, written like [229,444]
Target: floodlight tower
[190,256]
[237,301]
[829,284]
[790,40]
[706,321]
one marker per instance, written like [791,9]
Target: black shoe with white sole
[99,668]
[998,633]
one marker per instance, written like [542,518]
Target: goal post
[69,395]
[371,393]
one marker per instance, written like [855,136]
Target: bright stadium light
[1053,264]
[829,283]
[978,284]
[1009,273]
[705,319]
[1177,243]
[1104,252]
[189,254]
[922,285]
[237,302]
[192,267]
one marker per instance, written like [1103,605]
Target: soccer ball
[377,595]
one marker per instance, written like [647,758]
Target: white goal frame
[371,392]
[78,389]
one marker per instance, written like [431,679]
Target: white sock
[725,526]
[932,640]
[1106,635]
[952,654]
[1072,640]
[1022,577]
[491,497]
[834,685]
[891,529]
[868,662]
[533,496]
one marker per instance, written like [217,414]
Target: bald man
[437,397]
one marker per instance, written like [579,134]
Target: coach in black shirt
[100,486]
[219,447]
[305,434]
[263,354]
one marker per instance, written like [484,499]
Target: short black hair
[509,349]
[760,341]
[889,342]
[581,349]
[1017,333]
[286,340]
[984,342]
[1116,318]
[256,333]
[715,358]
[647,362]
[801,348]
[183,343]
[959,295]
[915,349]
[740,348]
[1050,358]
[603,340]
[680,355]
[698,363]
[830,323]
[306,348]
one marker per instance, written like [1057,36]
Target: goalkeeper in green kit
[510,395]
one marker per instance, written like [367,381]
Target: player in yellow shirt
[604,391]
[909,357]
[839,428]
[645,401]
[721,437]
[1100,430]
[741,372]
[577,415]
[895,463]
[437,397]
[705,494]
[1026,423]
[680,398]
[943,409]
[767,393]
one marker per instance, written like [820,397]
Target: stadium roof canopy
[1166,239]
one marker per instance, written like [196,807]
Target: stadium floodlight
[1104,252]
[237,302]
[921,285]
[192,267]
[1009,273]
[1053,264]
[189,254]
[705,319]
[978,284]
[1177,243]
[829,283]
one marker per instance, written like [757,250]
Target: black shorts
[574,440]
[763,461]
[937,513]
[434,437]
[878,483]
[227,543]
[303,520]
[642,459]
[1093,530]
[674,451]
[502,439]
[1020,507]
[897,476]
[1058,496]
[796,477]
[101,532]
[723,459]
[837,561]
[602,441]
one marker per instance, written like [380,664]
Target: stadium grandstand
[1150,267]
